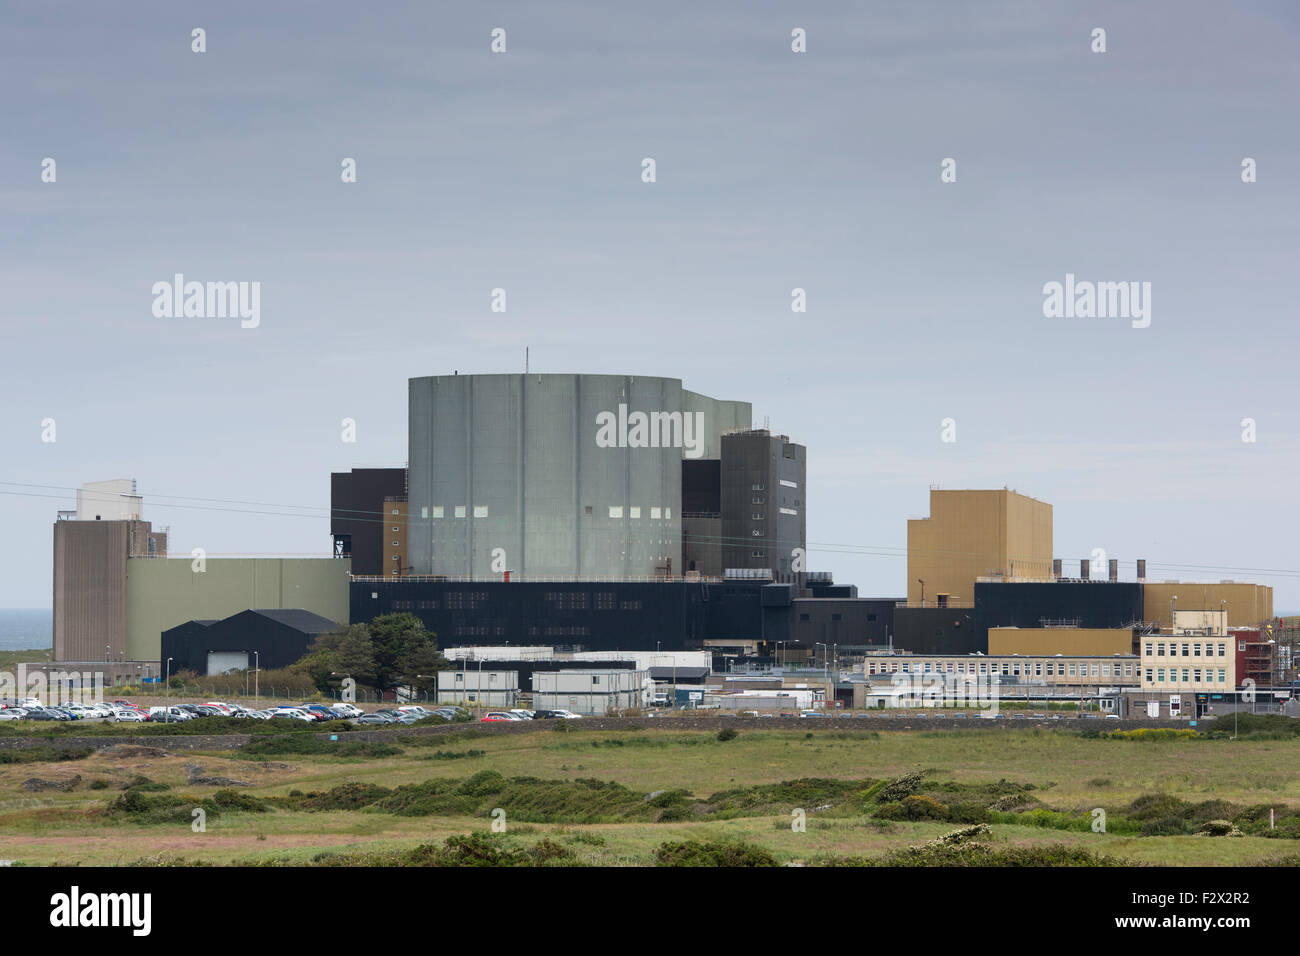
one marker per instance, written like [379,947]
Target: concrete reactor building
[555,476]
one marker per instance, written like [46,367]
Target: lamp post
[257,677]
[167,681]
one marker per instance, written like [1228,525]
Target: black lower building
[627,616]
[939,630]
[1074,603]
[267,639]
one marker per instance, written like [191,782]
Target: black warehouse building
[267,638]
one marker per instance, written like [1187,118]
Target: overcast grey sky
[775,170]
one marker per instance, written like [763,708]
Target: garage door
[221,661]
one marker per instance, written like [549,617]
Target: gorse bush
[712,854]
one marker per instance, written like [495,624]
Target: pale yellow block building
[972,534]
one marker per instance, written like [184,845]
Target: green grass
[1046,782]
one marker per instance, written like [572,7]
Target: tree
[402,648]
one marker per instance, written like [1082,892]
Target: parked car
[291,713]
[13,713]
[521,713]
[376,719]
[125,716]
[499,715]
[348,710]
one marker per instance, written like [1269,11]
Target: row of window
[1194,678]
[1009,668]
[1195,649]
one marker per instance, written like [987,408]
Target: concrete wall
[1086,641]
[970,534]
[519,456]
[90,560]
[164,592]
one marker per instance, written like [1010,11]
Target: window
[1223,647]
[1105,670]
[1073,672]
[395,528]
[1128,670]
[1148,675]
[836,617]
[1241,645]
[789,511]
[1004,669]
[1160,674]
[586,510]
[756,516]
[1094,670]
[616,511]
[397,544]
[1185,654]
[757,500]
[757,486]
[789,484]
[1160,650]
[984,668]
[1196,650]
[634,511]
[437,511]
[756,554]
[460,511]
[1148,650]
[1196,675]
[668,514]
[480,511]
[1050,668]
[656,514]
[1186,675]
[1223,675]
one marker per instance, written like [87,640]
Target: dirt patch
[133,751]
[194,771]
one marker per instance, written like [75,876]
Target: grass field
[1049,782]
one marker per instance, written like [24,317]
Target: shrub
[712,853]
[915,807]
[726,733]
[901,787]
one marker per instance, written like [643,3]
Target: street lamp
[167,685]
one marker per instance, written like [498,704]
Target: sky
[774,170]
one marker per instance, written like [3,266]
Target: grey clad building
[555,476]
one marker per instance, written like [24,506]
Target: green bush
[712,853]
[726,733]
[915,807]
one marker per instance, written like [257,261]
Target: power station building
[555,477]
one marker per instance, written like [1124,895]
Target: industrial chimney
[1114,569]
[1142,569]
[1083,569]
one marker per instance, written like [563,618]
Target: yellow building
[1247,604]
[1076,641]
[972,534]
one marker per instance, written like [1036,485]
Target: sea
[23,629]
